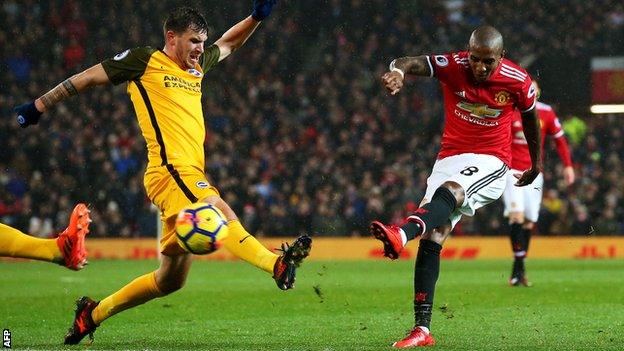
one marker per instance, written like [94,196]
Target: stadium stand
[331,150]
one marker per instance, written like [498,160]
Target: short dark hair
[183,18]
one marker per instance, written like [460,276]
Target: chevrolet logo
[479,110]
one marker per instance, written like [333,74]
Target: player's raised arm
[393,79]
[29,113]
[531,129]
[236,36]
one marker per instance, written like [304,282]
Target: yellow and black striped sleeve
[128,65]
[210,58]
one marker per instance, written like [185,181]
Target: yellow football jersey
[167,102]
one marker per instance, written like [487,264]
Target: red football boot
[416,338]
[71,241]
[389,235]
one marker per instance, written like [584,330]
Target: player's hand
[568,175]
[527,177]
[392,81]
[27,114]
[262,9]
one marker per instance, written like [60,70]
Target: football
[201,228]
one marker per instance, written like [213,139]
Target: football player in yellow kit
[165,87]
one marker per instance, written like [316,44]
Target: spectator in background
[74,55]
[325,72]
[20,65]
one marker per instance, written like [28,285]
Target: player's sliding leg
[67,249]
[169,277]
[246,247]
[430,215]
[283,267]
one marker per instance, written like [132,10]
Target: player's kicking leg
[435,215]
[67,250]
[390,236]
[430,215]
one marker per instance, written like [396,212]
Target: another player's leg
[520,237]
[524,206]
[426,272]
[515,234]
[431,215]
[71,242]
[246,247]
[169,277]
[68,249]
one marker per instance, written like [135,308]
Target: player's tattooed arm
[71,86]
[417,66]
[393,79]
[531,129]
[58,93]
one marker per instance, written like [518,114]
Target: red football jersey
[478,115]
[549,123]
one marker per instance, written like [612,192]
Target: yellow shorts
[171,189]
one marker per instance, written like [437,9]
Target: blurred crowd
[300,135]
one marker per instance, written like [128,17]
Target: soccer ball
[201,228]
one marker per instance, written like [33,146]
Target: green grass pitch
[365,305]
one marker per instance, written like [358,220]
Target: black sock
[526,238]
[411,230]
[518,245]
[432,214]
[426,271]
[518,267]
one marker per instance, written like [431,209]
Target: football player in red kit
[522,205]
[482,89]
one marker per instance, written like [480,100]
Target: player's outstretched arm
[29,113]
[393,79]
[531,129]
[236,36]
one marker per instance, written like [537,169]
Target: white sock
[425,329]
[403,236]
